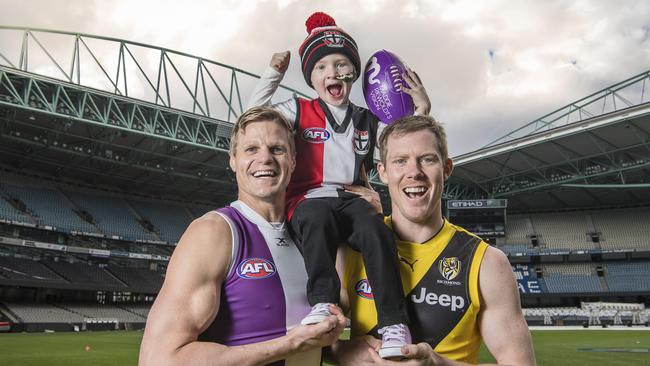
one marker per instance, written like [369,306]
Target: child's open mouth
[335,90]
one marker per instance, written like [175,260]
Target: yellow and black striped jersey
[440,281]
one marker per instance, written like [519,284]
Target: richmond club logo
[255,269]
[364,290]
[316,135]
[449,267]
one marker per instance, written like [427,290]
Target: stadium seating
[571,278]
[623,228]
[112,215]
[80,273]
[26,269]
[562,230]
[10,213]
[135,277]
[593,313]
[518,230]
[103,311]
[170,221]
[43,313]
[615,229]
[69,312]
[50,207]
[141,309]
[628,277]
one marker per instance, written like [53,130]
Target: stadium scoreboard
[485,218]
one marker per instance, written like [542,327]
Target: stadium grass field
[552,347]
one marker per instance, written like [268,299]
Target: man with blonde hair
[234,289]
[459,290]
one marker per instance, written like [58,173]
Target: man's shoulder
[204,231]
[460,229]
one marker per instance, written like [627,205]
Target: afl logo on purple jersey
[364,290]
[316,135]
[255,268]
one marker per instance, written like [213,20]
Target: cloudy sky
[489,66]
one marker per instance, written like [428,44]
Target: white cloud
[545,53]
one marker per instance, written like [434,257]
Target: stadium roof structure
[592,153]
[130,117]
[118,115]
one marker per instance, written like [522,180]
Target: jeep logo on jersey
[360,141]
[449,267]
[446,301]
[364,290]
[316,135]
[255,268]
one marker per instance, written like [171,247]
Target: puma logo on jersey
[255,268]
[444,300]
[410,264]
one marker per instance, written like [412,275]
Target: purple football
[381,81]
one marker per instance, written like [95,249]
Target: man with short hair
[459,290]
[234,290]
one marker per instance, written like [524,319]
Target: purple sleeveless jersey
[263,295]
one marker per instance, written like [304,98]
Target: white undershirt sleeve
[264,91]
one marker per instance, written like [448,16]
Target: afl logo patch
[449,267]
[316,135]
[364,290]
[255,269]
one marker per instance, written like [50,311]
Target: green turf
[54,349]
[559,347]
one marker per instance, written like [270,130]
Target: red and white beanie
[326,38]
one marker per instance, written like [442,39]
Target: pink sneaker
[393,337]
[318,313]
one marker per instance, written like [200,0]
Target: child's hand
[280,61]
[417,92]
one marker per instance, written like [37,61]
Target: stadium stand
[613,229]
[138,277]
[9,213]
[103,311]
[43,313]
[589,313]
[170,221]
[26,269]
[93,214]
[141,309]
[562,230]
[628,277]
[79,273]
[112,215]
[623,228]
[50,208]
[571,278]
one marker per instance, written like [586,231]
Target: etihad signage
[476,204]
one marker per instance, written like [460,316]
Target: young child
[334,148]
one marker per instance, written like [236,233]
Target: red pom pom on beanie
[319,19]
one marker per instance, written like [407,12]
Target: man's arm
[189,301]
[501,321]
